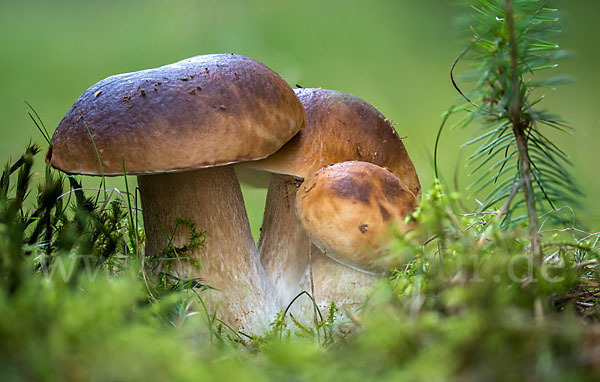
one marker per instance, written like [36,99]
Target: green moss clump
[462,308]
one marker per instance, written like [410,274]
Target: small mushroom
[180,145]
[339,127]
[349,209]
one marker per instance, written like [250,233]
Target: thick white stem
[228,260]
[333,282]
[283,244]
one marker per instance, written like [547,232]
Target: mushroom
[349,210]
[339,127]
[178,127]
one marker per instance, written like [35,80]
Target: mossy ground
[463,307]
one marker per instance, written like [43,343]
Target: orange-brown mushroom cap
[348,209]
[341,127]
[203,111]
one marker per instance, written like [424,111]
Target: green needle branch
[509,46]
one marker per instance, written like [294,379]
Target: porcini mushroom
[178,127]
[349,209]
[339,127]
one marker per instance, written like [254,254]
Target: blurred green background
[394,54]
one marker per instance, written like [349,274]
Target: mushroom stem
[283,243]
[228,261]
[333,282]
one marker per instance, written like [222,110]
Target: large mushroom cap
[203,111]
[349,207]
[341,127]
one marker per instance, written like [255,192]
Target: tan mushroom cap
[203,111]
[348,209]
[341,127]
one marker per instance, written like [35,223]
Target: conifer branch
[509,46]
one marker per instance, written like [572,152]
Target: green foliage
[461,308]
[510,48]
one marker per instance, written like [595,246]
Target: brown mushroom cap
[203,111]
[349,207]
[341,127]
